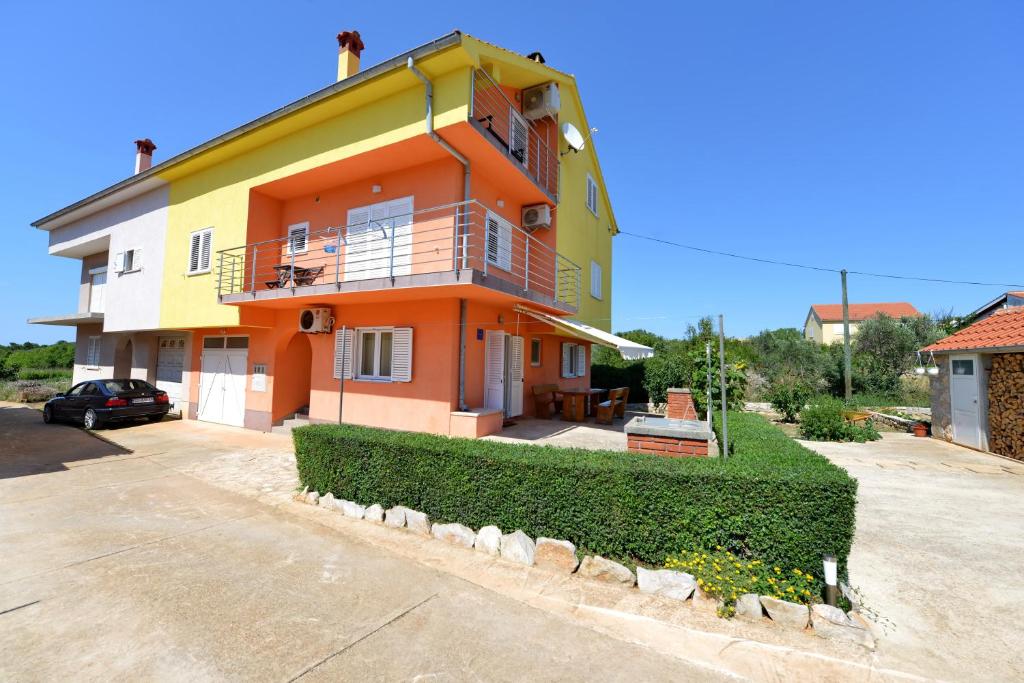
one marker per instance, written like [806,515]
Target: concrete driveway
[118,563]
[938,553]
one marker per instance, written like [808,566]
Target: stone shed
[977,398]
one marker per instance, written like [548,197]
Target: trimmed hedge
[774,500]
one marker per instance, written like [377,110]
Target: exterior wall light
[831,566]
[376,189]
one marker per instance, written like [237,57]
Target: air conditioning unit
[536,216]
[315,320]
[541,101]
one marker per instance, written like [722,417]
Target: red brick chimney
[680,405]
[143,154]
[350,46]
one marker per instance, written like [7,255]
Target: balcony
[456,244]
[530,145]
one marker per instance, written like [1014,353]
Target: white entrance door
[494,370]
[514,406]
[222,380]
[964,394]
[170,364]
[369,252]
[97,287]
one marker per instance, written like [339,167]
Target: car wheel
[90,420]
[47,414]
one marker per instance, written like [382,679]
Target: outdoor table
[578,403]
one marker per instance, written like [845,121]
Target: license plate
[142,400]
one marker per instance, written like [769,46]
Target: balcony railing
[450,238]
[521,139]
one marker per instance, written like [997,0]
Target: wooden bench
[614,407]
[544,401]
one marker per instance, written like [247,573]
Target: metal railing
[453,237]
[529,144]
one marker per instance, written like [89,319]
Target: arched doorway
[292,369]
[123,361]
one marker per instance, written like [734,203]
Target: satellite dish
[573,137]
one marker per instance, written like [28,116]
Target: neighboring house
[977,397]
[421,228]
[824,323]
[1007,300]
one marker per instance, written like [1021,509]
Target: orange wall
[293,362]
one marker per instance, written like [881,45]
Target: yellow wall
[828,332]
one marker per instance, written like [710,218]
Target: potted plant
[920,429]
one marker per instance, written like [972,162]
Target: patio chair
[307,276]
[608,410]
[620,409]
[281,282]
[544,400]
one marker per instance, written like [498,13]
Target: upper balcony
[458,244]
[531,145]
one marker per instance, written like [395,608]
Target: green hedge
[775,500]
[613,377]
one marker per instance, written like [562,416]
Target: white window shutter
[204,257]
[401,354]
[505,245]
[119,262]
[193,252]
[344,340]
[567,359]
[136,259]
[581,360]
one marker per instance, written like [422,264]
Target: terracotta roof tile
[1002,329]
[834,312]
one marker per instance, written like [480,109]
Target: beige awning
[628,349]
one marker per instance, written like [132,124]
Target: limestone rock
[417,522]
[706,603]
[597,567]
[665,582]
[748,607]
[374,513]
[555,554]
[313,498]
[327,501]
[350,509]
[518,547]
[488,540]
[301,496]
[788,614]
[832,622]
[456,534]
[395,517]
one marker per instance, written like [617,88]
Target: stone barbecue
[677,435]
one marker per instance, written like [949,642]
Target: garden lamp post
[831,587]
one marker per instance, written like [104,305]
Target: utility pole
[721,372]
[847,364]
[711,407]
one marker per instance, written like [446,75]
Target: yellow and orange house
[414,246]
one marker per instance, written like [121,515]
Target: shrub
[721,574]
[789,398]
[824,420]
[612,376]
[775,500]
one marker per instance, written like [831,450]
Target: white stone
[665,582]
[313,498]
[456,534]
[832,622]
[601,569]
[327,501]
[395,517]
[488,540]
[518,547]
[788,614]
[748,607]
[417,522]
[374,513]
[301,497]
[350,509]
[556,554]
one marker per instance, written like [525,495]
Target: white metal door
[98,285]
[494,370]
[515,378]
[964,395]
[222,386]
[170,364]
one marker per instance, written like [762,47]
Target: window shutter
[505,245]
[581,360]
[298,237]
[401,354]
[136,259]
[204,257]
[193,253]
[595,280]
[518,137]
[92,354]
[567,359]
[119,262]
[346,339]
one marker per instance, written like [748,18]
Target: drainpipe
[460,219]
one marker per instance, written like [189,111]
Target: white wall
[132,299]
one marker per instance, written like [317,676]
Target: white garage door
[170,364]
[222,380]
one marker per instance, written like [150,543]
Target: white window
[298,238]
[591,194]
[574,360]
[376,354]
[369,236]
[535,348]
[98,283]
[596,281]
[200,244]
[128,261]
[499,241]
[92,352]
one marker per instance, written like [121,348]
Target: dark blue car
[100,401]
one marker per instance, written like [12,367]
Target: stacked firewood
[1006,405]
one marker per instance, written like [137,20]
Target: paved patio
[556,432]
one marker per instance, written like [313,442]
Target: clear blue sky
[882,136]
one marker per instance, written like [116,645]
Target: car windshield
[118,385]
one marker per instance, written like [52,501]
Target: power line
[806,266]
